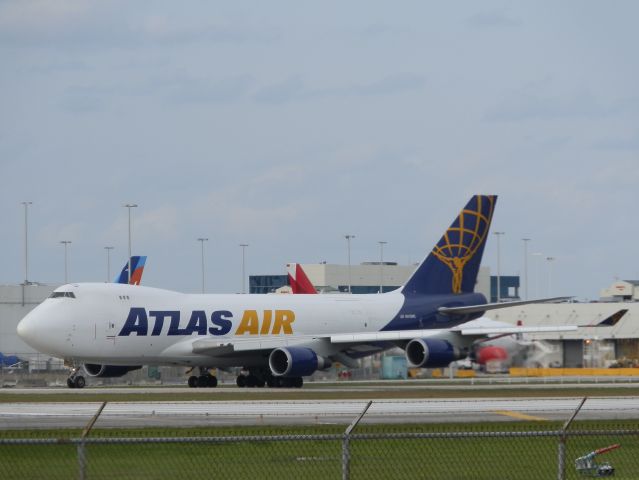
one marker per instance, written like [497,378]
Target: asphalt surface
[22,415]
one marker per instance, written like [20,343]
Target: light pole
[381,265]
[130,206]
[202,240]
[348,245]
[243,245]
[108,252]
[26,242]
[498,234]
[526,240]
[66,244]
[550,260]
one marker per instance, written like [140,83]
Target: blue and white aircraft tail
[278,339]
[453,264]
[137,267]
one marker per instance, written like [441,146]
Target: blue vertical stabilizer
[453,264]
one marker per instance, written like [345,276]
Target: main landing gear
[76,380]
[204,380]
[260,377]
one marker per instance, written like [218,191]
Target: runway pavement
[352,386]
[17,415]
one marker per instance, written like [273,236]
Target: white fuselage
[137,325]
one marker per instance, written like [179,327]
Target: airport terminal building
[373,277]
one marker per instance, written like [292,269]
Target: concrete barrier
[573,372]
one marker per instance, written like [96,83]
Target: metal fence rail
[510,451]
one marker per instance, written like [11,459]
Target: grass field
[474,457]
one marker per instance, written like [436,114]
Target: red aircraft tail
[298,280]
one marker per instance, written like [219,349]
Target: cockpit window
[62,294]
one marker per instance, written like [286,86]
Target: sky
[286,125]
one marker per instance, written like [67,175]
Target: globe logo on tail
[465,237]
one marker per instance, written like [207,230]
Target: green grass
[448,458]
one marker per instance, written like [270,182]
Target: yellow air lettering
[250,323]
[266,322]
[283,320]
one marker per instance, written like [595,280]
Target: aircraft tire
[241,381]
[203,381]
[251,381]
[79,381]
[270,381]
[297,382]
[192,381]
[212,381]
[70,383]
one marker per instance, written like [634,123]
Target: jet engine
[432,352]
[296,362]
[108,371]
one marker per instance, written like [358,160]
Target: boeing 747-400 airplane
[276,339]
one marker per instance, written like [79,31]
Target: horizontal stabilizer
[610,321]
[483,331]
[495,306]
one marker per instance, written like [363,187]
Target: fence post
[346,442]
[82,454]
[561,460]
[82,460]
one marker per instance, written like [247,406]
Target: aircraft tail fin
[137,268]
[453,264]
[298,280]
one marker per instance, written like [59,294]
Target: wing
[472,330]
[221,348]
[218,348]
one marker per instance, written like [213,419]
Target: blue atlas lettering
[137,322]
[221,323]
[197,323]
[174,326]
[160,315]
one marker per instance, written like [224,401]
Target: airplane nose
[40,329]
[26,328]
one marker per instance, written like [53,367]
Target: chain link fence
[497,450]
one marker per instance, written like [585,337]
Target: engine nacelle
[431,353]
[296,362]
[108,371]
